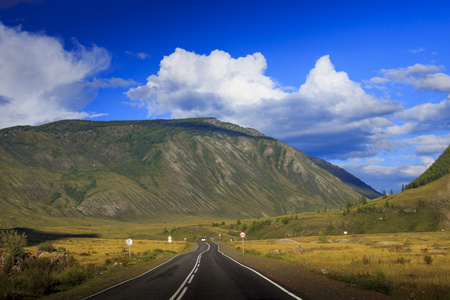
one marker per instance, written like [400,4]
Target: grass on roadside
[101,261]
[403,265]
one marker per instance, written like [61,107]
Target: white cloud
[40,81]
[110,83]
[140,55]
[415,51]
[237,90]
[428,144]
[420,76]
[342,97]
[379,80]
[430,112]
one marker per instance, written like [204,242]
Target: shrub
[46,246]
[13,244]
[323,238]
[36,276]
[428,259]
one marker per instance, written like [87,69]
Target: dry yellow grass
[394,260]
[97,250]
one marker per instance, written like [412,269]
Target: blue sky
[362,84]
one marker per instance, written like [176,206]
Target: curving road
[205,273]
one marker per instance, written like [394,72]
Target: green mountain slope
[153,171]
[438,169]
[424,209]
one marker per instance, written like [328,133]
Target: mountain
[437,170]
[158,170]
[357,184]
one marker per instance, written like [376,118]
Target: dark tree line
[437,170]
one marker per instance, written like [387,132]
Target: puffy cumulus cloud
[327,107]
[188,84]
[339,95]
[427,77]
[40,81]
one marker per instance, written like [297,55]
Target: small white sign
[345,232]
[169,239]
[129,242]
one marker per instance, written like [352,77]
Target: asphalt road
[205,273]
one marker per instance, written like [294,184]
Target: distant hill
[354,182]
[423,209]
[437,170]
[160,170]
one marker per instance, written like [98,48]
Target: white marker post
[129,242]
[242,236]
[169,239]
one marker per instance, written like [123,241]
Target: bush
[46,246]
[323,238]
[36,277]
[428,259]
[13,245]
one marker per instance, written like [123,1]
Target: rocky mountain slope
[158,170]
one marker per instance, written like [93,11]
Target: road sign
[242,236]
[169,239]
[129,242]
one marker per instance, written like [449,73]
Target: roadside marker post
[242,236]
[129,242]
[169,239]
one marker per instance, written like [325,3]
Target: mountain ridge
[159,169]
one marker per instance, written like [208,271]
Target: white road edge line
[111,287]
[261,275]
[192,271]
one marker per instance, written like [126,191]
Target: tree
[348,206]
[363,199]
[13,245]
[384,194]
[392,192]
[322,238]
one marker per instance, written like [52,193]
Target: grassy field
[97,251]
[404,265]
